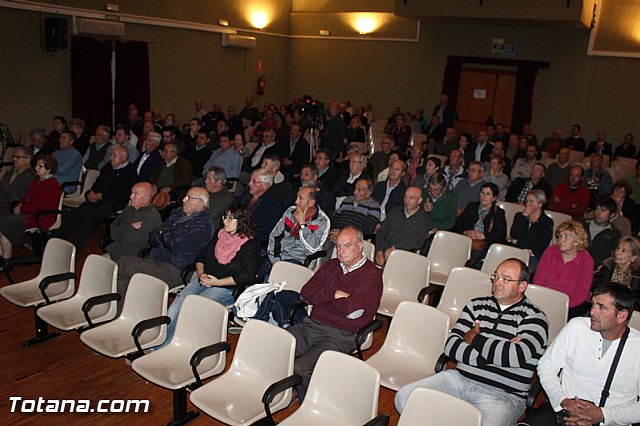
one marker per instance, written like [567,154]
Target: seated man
[108,194]
[327,176]
[603,236]
[198,154]
[16,181]
[220,199]
[584,351]
[69,161]
[94,156]
[558,172]
[359,211]
[521,186]
[391,192]
[406,227]
[344,185]
[301,231]
[497,342]
[571,197]
[325,198]
[597,179]
[122,136]
[281,187]
[522,166]
[173,175]
[150,158]
[294,151]
[174,244]
[345,294]
[130,230]
[226,157]
[468,190]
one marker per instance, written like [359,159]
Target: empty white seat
[499,252]
[146,299]
[429,407]
[99,277]
[447,251]
[463,285]
[553,303]
[557,218]
[415,340]
[404,275]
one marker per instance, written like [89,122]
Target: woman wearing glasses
[568,267]
[226,266]
[622,268]
[43,194]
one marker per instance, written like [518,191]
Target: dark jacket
[396,198]
[115,185]
[603,275]
[243,267]
[267,212]
[150,164]
[496,233]
[180,238]
[602,245]
[535,237]
[518,183]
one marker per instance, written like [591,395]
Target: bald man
[405,228]
[174,244]
[130,231]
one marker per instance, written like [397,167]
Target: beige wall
[597,92]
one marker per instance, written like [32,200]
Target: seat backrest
[99,276]
[510,210]
[463,284]
[418,329]
[79,189]
[368,249]
[343,385]
[440,408]
[265,351]
[146,298]
[449,250]
[553,303]
[405,274]
[634,322]
[557,218]
[499,252]
[616,173]
[418,138]
[202,322]
[8,155]
[58,223]
[89,179]
[295,275]
[59,257]
[576,157]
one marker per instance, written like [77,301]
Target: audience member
[325,198]
[558,172]
[481,149]
[522,166]
[520,187]
[552,145]
[432,165]
[76,125]
[150,158]
[440,204]
[597,179]
[42,194]
[38,142]
[345,183]
[266,147]
[69,160]
[571,197]
[454,172]
[122,136]
[575,142]
[532,229]
[495,175]
[198,154]
[59,124]
[294,152]
[225,157]
[622,268]
[332,135]
[379,160]
[220,199]
[16,180]
[497,342]
[599,146]
[468,190]
[281,187]
[401,133]
[414,163]
[526,132]
[603,236]
[568,267]
[449,143]
[634,181]
[626,149]
[250,111]
[345,294]
[390,193]
[130,230]
[359,211]
[94,157]
[435,130]
[405,228]
[173,174]
[327,176]
[445,111]
[627,216]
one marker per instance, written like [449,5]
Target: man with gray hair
[38,138]
[220,199]
[16,181]
[174,244]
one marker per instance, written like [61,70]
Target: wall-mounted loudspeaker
[54,34]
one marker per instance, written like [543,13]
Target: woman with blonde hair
[568,267]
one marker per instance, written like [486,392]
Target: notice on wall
[479,93]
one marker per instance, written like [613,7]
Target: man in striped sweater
[497,343]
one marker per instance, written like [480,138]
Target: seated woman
[622,268]
[495,174]
[484,222]
[226,267]
[431,167]
[532,229]
[568,267]
[627,218]
[43,194]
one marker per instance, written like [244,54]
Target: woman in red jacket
[43,194]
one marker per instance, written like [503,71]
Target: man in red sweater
[571,198]
[345,294]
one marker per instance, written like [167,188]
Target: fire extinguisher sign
[260,68]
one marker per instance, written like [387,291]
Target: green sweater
[443,215]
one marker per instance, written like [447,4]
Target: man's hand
[388,251]
[380,258]
[341,294]
[17,209]
[166,189]
[581,412]
[287,162]
[472,333]
[136,225]
[527,211]
[333,235]
[428,206]
[516,339]
[300,216]
[94,197]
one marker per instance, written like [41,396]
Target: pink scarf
[227,246]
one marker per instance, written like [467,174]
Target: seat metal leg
[42,331]
[180,414]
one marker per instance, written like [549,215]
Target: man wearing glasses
[497,342]
[174,245]
[16,181]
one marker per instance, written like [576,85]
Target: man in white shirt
[584,351]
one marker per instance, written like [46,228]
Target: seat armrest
[534,392]
[41,213]
[362,334]
[69,184]
[147,325]
[317,255]
[203,353]
[47,281]
[144,253]
[380,420]
[427,291]
[294,308]
[97,300]
[275,389]
[441,363]
[186,273]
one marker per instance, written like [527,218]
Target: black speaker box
[54,35]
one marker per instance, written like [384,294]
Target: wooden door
[484,96]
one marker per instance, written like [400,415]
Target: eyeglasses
[40,166]
[15,157]
[191,197]
[225,217]
[495,278]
